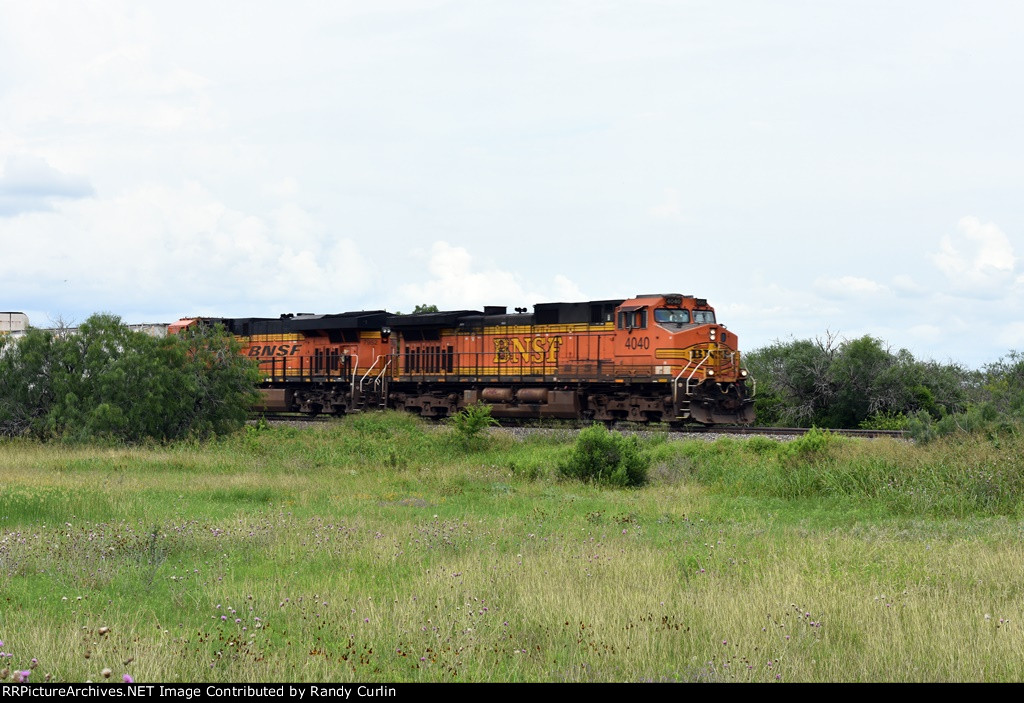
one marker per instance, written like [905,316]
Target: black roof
[592,312]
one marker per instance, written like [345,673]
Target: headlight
[743,373]
[711,372]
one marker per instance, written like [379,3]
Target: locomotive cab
[676,339]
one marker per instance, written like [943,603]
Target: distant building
[16,322]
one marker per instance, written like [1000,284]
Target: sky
[849,167]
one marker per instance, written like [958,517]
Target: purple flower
[128,678]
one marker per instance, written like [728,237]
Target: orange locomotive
[652,358]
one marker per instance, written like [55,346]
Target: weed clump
[606,458]
[473,420]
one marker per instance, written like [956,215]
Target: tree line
[830,382]
[106,381]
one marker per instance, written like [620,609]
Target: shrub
[813,444]
[473,420]
[886,421]
[606,458]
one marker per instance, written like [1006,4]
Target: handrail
[675,382]
[382,372]
[355,368]
[364,379]
[690,377]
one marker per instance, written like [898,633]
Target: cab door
[634,339]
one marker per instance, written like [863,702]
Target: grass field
[383,549]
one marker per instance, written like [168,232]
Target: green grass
[381,548]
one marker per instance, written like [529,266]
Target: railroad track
[627,427]
[792,431]
[290,417]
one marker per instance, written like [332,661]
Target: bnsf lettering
[535,350]
[274,350]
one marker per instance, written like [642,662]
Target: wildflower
[127,678]
[106,673]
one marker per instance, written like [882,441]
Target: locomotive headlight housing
[743,373]
[711,372]
[712,333]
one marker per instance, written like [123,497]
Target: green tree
[829,383]
[792,380]
[26,393]
[107,381]
[1003,385]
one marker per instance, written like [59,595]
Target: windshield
[679,317]
[704,317]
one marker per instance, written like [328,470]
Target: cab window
[704,317]
[634,319]
[677,317]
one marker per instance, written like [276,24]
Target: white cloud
[849,287]
[907,286]
[1012,335]
[182,249]
[459,283]
[29,183]
[926,333]
[980,260]
[670,207]
[98,65]
[566,290]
